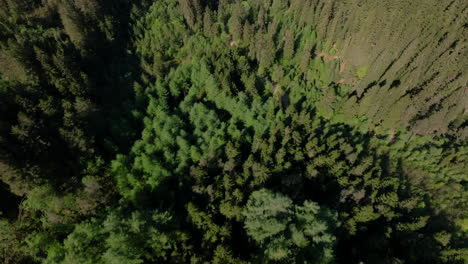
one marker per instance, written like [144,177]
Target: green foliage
[230,132]
[116,239]
[10,250]
[289,233]
[362,72]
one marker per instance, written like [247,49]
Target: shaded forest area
[197,131]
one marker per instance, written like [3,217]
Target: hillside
[197,131]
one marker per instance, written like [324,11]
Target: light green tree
[287,232]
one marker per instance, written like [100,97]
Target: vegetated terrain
[198,131]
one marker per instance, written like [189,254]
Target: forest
[229,131]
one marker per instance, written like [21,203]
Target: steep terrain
[196,131]
[414,56]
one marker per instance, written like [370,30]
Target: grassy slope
[416,56]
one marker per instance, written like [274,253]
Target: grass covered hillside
[406,61]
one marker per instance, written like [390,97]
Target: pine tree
[289,39]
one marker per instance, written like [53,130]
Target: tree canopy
[198,131]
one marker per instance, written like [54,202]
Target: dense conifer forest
[256,131]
